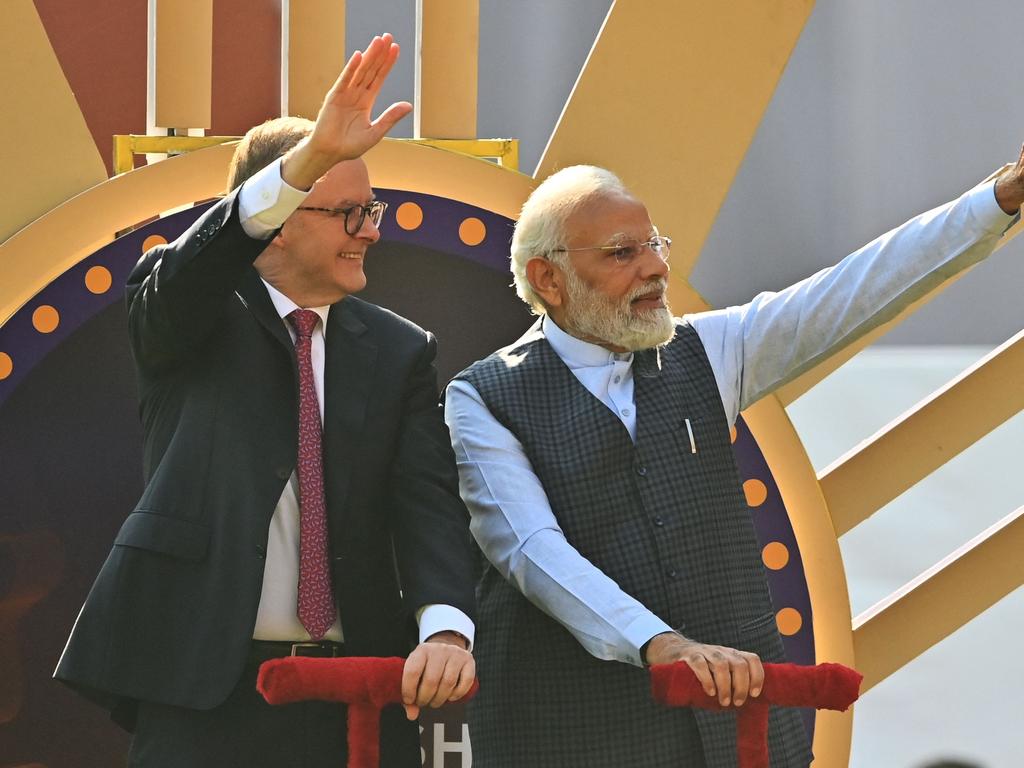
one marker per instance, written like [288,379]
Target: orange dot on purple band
[472,231]
[409,216]
[775,555]
[98,279]
[789,621]
[152,241]
[6,365]
[755,491]
[45,318]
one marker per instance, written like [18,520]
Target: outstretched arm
[757,347]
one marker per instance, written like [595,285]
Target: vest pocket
[761,636]
[161,533]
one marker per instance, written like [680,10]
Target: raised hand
[344,127]
[1010,186]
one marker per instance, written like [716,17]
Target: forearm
[518,532]
[437,560]
[555,577]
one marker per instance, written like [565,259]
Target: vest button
[671,573]
[658,522]
[283,473]
[261,552]
[642,471]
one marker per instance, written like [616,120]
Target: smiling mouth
[351,256]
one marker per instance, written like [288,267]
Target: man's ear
[546,279]
[271,260]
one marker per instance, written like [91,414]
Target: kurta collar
[576,353]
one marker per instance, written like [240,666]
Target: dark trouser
[246,732]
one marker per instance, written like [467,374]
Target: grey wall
[531,52]
[887,108]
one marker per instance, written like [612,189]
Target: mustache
[655,284]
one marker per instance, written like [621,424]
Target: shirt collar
[577,353]
[286,306]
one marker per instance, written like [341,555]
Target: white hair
[541,226]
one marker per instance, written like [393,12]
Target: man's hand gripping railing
[825,686]
[365,684]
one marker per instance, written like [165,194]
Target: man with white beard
[595,459]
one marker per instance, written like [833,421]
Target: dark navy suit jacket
[171,614]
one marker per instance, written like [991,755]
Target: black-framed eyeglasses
[355,215]
[627,251]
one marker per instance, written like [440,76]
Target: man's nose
[652,264]
[369,231]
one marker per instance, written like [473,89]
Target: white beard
[595,317]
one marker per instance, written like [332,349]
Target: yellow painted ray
[925,437]
[41,117]
[670,98]
[941,600]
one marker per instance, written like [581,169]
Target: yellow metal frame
[504,151]
[126,146]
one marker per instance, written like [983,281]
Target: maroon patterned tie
[316,598]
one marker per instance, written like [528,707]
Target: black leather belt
[263,650]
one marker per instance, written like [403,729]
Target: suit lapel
[350,360]
[253,294]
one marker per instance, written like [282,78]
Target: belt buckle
[297,646]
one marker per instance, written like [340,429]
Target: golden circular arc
[37,254]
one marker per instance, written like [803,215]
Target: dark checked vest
[669,526]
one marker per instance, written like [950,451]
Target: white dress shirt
[264,202]
[753,349]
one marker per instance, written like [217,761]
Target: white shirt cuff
[437,617]
[265,201]
[640,631]
[985,209]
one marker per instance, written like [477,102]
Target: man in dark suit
[301,496]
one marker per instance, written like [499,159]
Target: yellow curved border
[35,256]
[822,559]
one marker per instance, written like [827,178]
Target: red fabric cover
[366,684]
[825,686]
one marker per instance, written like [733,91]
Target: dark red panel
[101,46]
[246,64]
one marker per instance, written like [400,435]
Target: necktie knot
[303,321]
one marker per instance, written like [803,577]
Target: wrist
[451,637]
[1009,191]
[663,648]
[302,165]
[652,648]
[643,652]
